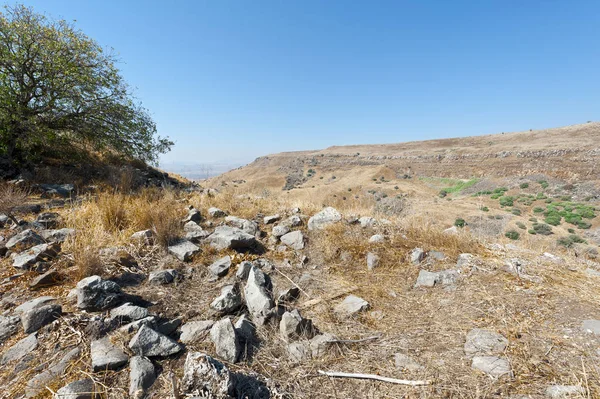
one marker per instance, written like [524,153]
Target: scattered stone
[48,279]
[193,216]
[464,260]
[216,213]
[437,255]
[367,222]
[376,239]
[202,373]
[184,250]
[96,294]
[246,333]
[82,389]
[147,342]
[247,226]
[271,219]
[60,190]
[24,240]
[484,342]
[34,303]
[292,221]
[163,277]
[405,362]
[48,219]
[351,306]
[416,256]
[564,391]
[168,327]
[194,331]
[141,376]
[372,261]
[37,318]
[42,252]
[149,321]
[192,227]
[492,365]
[243,270]
[320,344]
[294,240]
[233,238]
[280,230]
[553,258]
[143,236]
[326,217]
[229,301]
[452,230]
[9,325]
[21,349]
[226,341]
[258,293]
[294,326]
[128,312]
[426,279]
[288,295]
[591,326]
[221,266]
[38,383]
[106,356]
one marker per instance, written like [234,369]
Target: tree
[59,87]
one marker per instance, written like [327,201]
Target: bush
[507,201]
[531,231]
[524,185]
[459,222]
[543,183]
[552,217]
[582,224]
[572,218]
[516,211]
[512,234]
[443,193]
[537,209]
[485,209]
[543,229]
[571,231]
[534,220]
[11,197]
[569,241]
[521,225]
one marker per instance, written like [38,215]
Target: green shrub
[569,241]
[485,209]
[507,201]
[572,231]
[534,220]
[549,201]
[512,234]
[460,222]
[516,211]
[531,231]
[553,218]
[443,193]
[543,183]
[538,210]
[521,225]
[582,224]
[572,218]
[500,190]
[543,229]
[524,185]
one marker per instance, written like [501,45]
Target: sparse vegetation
[512,234]
[524,185]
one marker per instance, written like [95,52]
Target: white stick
[374,377]
[353,341]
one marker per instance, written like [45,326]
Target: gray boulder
[96,294]
[60,190]
[227,344]
[280,230]
[292,221]
[48,279]
[57,236]
[37,318]
[48,219]
[216,212]
[193,215]
[294,326]
[134,326]
[128,312]
[202,373]
[43,252]
[367,222]
[106,356]
[34,303]
[491,365]
[149,343]
[246,333]
[416,256]
[564,392]
[24,240]
[233,238]
[194,331]
[162,277]
[184,250]
[376,239]
[324,218]
[351,306]
[484,343]
[143,236]
[294,240]
[271,219]
[9,325]
[243,270]
[247,226]
[429,279]
[258,294]
[220,267]
[81,389]
[229,301]
[141,376]
[21,349]
[464,260]
[372,261]
[288,295]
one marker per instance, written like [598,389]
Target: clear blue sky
[232,80]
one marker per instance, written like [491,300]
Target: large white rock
[324,218]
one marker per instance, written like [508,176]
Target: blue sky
[233,80]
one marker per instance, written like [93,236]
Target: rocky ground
[257,300]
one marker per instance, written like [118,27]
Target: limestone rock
[258,293]
[280,230]
[247,226]
[48,279]
[324,218]
[484,343]
[233,238]
[220,267]
[106,356]
[20,349]
[37,318]
[194,331]
[149,343]
[376,239]
[416,256]
[128,312]
[351,306]
[226,341]
[141,376]
[24,240]
[491,365]
[229,301]
[243,270]
[271,219]
[184,250]
[81,389]
[162,277]
[216,213]
[9,325]
[42,252]
[294,240]
[372,261]
[294,326]
[96,294]
[34,303]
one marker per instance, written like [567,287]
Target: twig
[174,384]
[316,301]
[353,341]
[336,374]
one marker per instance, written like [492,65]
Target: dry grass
[11,196]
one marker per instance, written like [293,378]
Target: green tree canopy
[60,87]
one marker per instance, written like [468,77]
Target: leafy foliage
[60,89]
[512,234]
